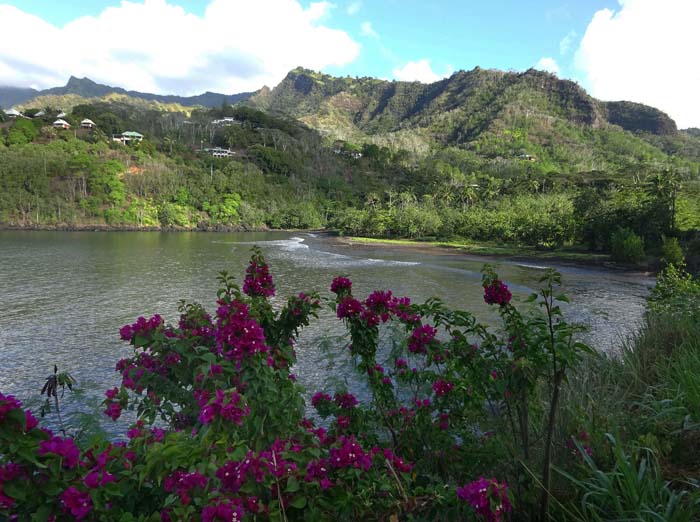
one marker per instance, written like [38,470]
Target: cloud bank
[419,71]
[158,47]
[645,52]
[548,64]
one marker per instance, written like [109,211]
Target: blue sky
[451,34]
[188,46]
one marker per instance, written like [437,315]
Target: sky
[639,50]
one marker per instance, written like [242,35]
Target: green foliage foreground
[459,422]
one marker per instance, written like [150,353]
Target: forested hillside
[518,158]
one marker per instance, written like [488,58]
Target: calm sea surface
[64,295]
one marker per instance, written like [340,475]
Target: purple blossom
[97,478]
[142,327]
[8,403]
[441,387]
[488,497]
[345,400]
[184,483]
[238,336]
[64,448]
[341,285]
[318,398]
[349,307]
[77,502]
[223,511]
[227,405]
[258,281]
[349,455]
[421,337]
[497,293]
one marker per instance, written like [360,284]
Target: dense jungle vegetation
[524,159]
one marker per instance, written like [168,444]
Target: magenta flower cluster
[8,472]
[258,280]
[421,338]
[341,285]
[441,387]
[114,408]
[223,511]
[142,327]
[488,497]
[183,484]
[8,403]
[349,307]
[497,293]
[238,335]
[76,502]
[64,448]
[229,406]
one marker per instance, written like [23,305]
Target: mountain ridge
[84,87]
[484,97]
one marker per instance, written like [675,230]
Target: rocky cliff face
[636,117]
[457,108]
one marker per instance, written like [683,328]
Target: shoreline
[510,253]
[102,227]
[474,251]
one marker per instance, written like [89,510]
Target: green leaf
[299,503]
[292,485]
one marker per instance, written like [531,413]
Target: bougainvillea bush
[453,427]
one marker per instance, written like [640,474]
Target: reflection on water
[64,295]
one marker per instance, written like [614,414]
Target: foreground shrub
[671,252]
[627,247]
[221,433]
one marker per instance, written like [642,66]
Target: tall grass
[648,396]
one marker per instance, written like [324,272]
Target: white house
[87,124]
[61,115]
[12,113]
[61,124]
[128,137]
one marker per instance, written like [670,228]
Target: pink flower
[64,448]
[349,307]
[224,511]
[30,421]
[77,502]
[227,405]
[114,410]
[345,400]
[441,387]
[497,293]
[488,497]
[341,285]
[97,478]
[258,281]
[421,338]
[318,398]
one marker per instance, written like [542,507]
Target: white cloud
[548,64]
[354,7]
[566,42]
[368,30]
[419,71]
[158,47]
[645,52]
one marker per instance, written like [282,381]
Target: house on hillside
[61,124]
[12,113]
[128,137]
[61,115]
[218,152]
[528,157]
[87,124]
[227,120]
[40,114]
